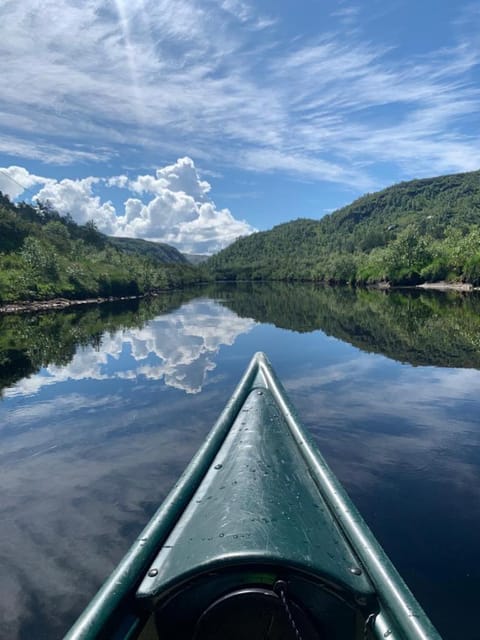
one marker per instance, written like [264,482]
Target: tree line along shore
[418,233]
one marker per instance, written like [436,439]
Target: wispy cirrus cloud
[190,76]
[347,14]
[50,153]
[380,111]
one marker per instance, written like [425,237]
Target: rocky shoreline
[448,286]
[58,304]
[463,287]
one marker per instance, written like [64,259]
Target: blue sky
[196,121]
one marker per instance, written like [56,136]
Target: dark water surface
[102,409]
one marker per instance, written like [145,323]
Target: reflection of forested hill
[421,328]
[30,342]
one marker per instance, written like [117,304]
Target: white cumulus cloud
[181,176]
[180,213]
[76,198]
[15,180]
[172,205]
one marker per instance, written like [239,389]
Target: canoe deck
[258,504]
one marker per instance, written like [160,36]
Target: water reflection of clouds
[178,348]
[80,478]
[374,418]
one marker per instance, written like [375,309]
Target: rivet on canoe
[356,571]
[217,466]
[152,573]
[259,393]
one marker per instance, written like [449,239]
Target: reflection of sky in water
[88,457]
[178,348]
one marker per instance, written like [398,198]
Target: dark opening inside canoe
[257,540]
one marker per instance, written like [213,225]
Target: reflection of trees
[30,342]
[421,328]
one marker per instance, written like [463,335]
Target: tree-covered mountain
[422,230]
[44,255]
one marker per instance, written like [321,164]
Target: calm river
[102,409]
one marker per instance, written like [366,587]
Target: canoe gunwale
[408,620]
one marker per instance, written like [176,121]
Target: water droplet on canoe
[218,466]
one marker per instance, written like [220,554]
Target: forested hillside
[44,255]
[423,230]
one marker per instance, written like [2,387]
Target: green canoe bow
[257,525]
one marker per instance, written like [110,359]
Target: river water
[102,409]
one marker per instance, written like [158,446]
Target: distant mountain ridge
[155,250]
[422,230]
[196,258]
